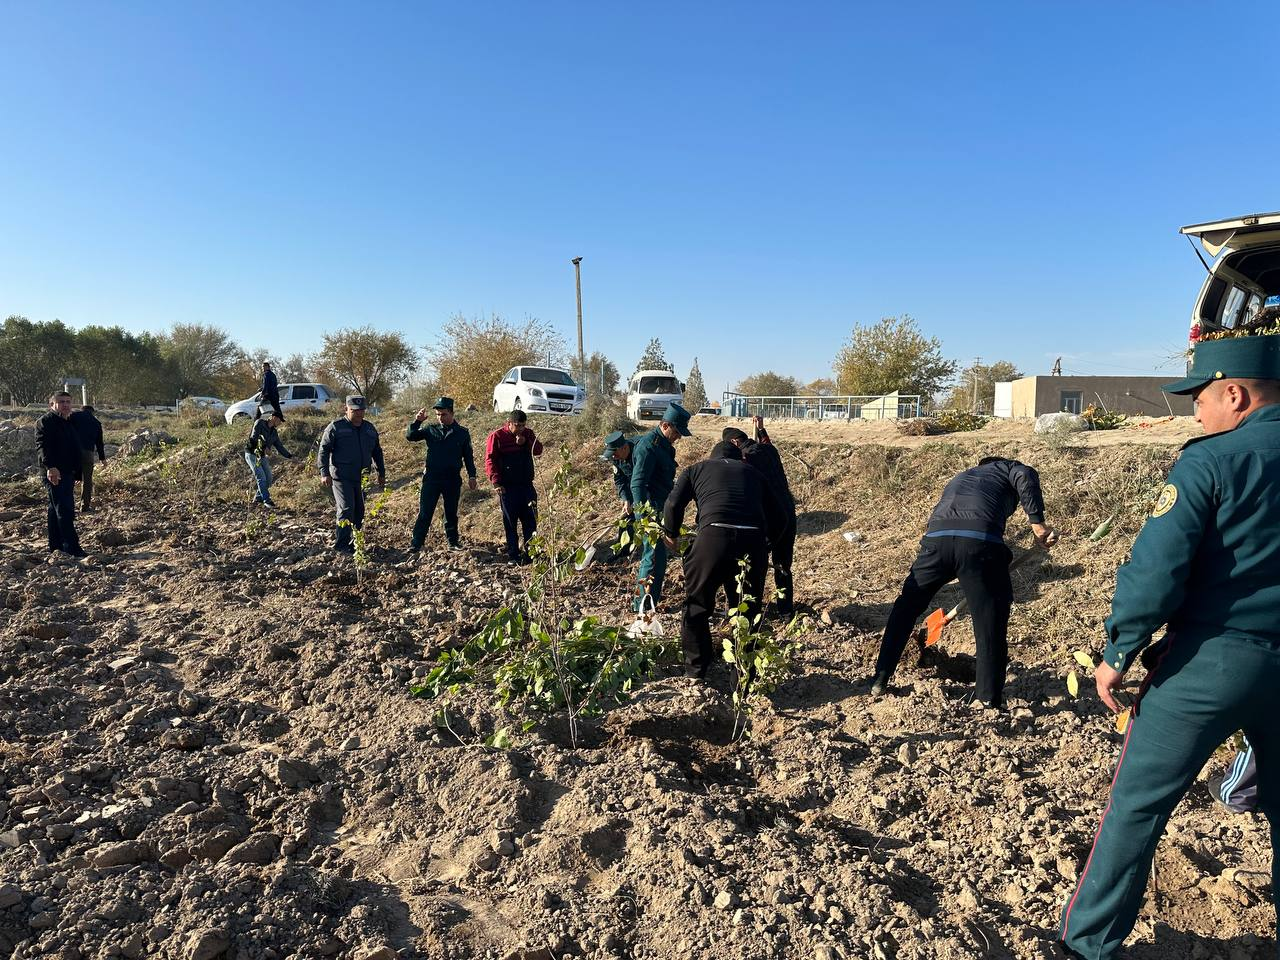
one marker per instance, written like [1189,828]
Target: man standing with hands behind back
[448,451]
[508,462]
[348,447]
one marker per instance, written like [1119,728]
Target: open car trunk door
[1242,230]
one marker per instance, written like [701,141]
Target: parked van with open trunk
[1243,285]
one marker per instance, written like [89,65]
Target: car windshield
[659,385]
[544,375]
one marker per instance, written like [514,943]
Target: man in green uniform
[618,449]
[1207,564]
[653,474]
[448,452]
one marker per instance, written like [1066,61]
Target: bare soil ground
[208,747]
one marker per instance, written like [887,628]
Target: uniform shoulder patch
[1168,497]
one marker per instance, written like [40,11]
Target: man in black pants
[508,462]
[89,429]
[448,453]
[965,539]
[763,455]
[270,391]
[58,446]
[736,511]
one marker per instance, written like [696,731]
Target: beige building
[1135,396]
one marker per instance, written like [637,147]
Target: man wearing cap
[1206,565]
[653,474]
[618,449]
[448,452]
[508,462]
[737,508]
[263,436]
[763,455]
[349,446]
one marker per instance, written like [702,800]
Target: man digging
[965,539]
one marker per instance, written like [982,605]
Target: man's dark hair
[517,416]
[732,433]
[724,450]
[985,460]
[59,395]
[87,408]
[267,364]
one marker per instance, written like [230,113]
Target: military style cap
[443,403]
[678,417]
[1245,357]
[614,440]
[356,402]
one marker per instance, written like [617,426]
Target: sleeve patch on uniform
[1168,497]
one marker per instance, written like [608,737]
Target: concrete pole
[976,361]
[577,282]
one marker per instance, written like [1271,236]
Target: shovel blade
[937,620]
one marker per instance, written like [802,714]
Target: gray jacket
[346,451]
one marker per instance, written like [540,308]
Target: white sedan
[538,390]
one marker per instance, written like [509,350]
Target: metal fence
[891,407]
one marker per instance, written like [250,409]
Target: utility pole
[577,282]
[976,361]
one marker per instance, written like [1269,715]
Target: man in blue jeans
[58,446]
[263,437]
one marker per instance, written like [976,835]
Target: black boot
[879,684]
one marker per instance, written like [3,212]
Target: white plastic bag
[646,623]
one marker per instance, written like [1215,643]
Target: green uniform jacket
[448,449]
[622,470]
[653,470]
[1207,561]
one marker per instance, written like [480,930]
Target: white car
[293,396]
[203,403]
[1243,285]
[538,390]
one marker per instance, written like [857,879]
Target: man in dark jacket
[736,510]
[262,437]
[348,448]
[448,452]
[270,390]
[965,539]
[89,430]
[58,446]
[508,462]
[763,455]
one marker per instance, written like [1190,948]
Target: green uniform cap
[678,417]
[1245,357]
[443,403]
[614,441]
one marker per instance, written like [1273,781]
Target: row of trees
[890,355]
[190,359]
[470,356]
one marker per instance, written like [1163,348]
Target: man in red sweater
[508,461]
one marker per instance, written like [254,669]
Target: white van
[1244,278]
[650,392]
[293,396]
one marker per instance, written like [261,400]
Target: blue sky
[744,181]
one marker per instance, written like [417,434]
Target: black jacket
[270,388]
[58,444]
[983,498]
[89,430]
[264,436]
[726,491]
[765,458]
